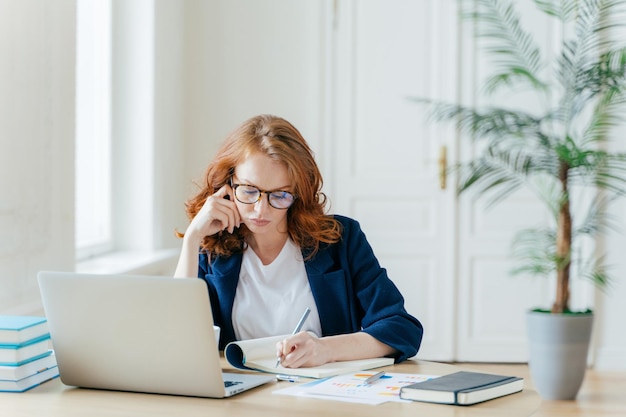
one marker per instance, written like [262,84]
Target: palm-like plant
[558,151]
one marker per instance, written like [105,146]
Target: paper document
[352,387]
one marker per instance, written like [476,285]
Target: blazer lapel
[225,279]
[331,291]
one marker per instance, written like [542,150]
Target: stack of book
[25,356]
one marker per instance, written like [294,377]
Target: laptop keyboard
[232,383]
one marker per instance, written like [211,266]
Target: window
[93,129]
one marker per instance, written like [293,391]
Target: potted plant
[558,150]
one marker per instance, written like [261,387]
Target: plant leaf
[512,50]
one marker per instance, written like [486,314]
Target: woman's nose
[262,204]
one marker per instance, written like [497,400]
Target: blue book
[21,330]
[21,354]
[31,367]
[30,381]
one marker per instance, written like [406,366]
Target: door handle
[443,167]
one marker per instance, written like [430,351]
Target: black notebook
[462,388]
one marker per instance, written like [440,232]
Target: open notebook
[260,354]
[137,333]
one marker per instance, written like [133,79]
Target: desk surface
[55,399]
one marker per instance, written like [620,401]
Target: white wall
[609,334]
[245,58]
[148,111]
[169,121]
[36,146]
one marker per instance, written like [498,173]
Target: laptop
[137,333]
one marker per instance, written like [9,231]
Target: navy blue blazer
[351,290]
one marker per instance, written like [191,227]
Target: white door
[385,171]
[448,256]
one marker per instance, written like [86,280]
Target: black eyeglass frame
[261,192]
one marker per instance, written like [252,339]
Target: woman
[268,251]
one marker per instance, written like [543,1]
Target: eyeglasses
[249,194]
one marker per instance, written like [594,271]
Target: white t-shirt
[270,299]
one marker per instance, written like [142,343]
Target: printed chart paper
[352,387]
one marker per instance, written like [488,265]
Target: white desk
[53,399]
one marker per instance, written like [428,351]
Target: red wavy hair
[308,224]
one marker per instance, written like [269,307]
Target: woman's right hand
[218,213]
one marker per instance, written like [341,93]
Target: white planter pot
[558,347]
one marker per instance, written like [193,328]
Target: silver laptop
[137,333]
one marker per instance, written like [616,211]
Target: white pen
[288,378]
[297,329]
[374,377]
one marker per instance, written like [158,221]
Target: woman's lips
[259,222]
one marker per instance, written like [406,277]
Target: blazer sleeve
[380,305]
